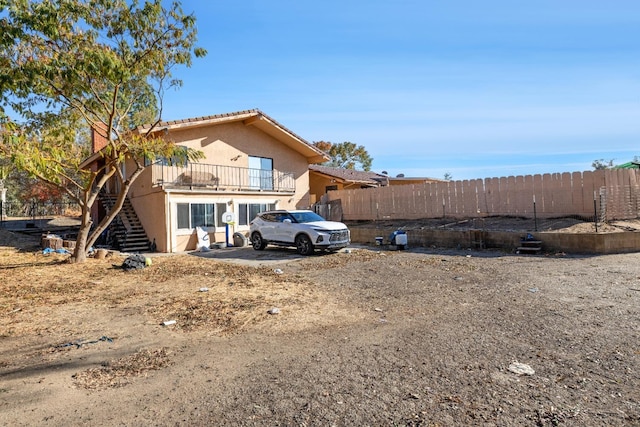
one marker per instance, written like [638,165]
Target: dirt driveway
[359,338]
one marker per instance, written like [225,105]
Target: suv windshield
[306,216]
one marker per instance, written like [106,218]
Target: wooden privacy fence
[607,194]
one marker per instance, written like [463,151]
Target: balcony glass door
[261,173]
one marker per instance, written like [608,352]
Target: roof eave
[254,118]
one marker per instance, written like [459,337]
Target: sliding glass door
[260,173]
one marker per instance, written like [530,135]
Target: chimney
[99,138]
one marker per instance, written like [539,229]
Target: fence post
[595,211]
[3,197]
[535,214]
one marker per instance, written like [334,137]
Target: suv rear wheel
[304,245]
[258,242]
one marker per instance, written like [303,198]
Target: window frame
[215,215]
[245,220]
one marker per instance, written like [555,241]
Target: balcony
[201,176]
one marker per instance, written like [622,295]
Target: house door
[260,173]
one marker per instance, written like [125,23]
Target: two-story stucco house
[252,163]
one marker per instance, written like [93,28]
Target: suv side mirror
[286,221]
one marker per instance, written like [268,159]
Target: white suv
[303,229]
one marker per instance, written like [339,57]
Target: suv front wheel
[304,245]
[258,242]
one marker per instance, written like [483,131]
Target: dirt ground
[422,337]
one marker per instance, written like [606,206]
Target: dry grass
[38,291]
[118,373]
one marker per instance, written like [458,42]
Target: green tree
[601,164]
[67,66]
[346,155]
[448,176]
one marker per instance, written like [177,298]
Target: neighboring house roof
[628,165]
[350,175]
[364,177]
[252,117]
[399,179]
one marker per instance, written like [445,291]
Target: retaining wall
[578,243]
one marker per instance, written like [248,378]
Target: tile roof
[225,118]
[236,115]
[194,120]
[350,174]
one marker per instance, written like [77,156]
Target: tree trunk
[80,251]
[87,237]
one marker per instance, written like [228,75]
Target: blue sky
[472,88]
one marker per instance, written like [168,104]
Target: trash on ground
[203,290]
[274,310]
[203,239]
[134,262]
[47,251]
[533,290]
[168,322]
[80,343]
[521,369]
[277,271]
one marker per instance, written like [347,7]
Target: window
[248,211]
[183,215]
[261,173]
[202,215]
[191,215]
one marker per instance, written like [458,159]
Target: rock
[521,369]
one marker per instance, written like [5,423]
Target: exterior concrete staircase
[126,230]
[529,245]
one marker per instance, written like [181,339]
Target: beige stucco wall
[227,145]
[318,184]
[150,208]
[222,144]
